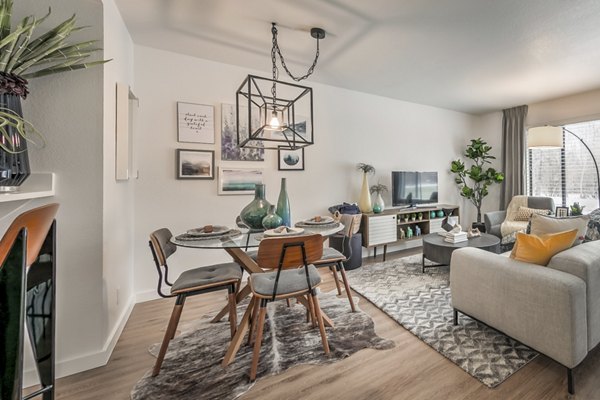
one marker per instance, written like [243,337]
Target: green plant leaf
[54,70]
[5,17]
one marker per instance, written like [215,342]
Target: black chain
[274,60]
[278,50]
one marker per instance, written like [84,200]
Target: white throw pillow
[541,225]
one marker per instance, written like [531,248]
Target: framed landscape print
[239,180]
[230,151]
[290,160]
[195,164]
[195,123]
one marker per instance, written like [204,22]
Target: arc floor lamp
[551,137]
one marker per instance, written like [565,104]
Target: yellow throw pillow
[524,213]
[540,249]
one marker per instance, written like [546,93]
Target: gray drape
[513,153]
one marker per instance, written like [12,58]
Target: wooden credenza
[384,228]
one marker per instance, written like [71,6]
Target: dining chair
[293,276]
[334,259]
[189,283]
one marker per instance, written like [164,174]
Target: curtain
[513,153]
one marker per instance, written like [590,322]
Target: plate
[324,220]
[290,232]
[217,231]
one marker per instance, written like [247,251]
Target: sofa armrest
[538,306]
[583,261]
[493,220]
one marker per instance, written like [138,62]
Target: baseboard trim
[90,360]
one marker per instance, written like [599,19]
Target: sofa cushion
[541,225]
[540,249]
[593,231]
[584,262]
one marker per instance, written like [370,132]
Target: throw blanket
[510,225]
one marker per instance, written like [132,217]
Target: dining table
[237,242]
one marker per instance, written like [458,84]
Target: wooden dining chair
[335,259]
[293,276]
[189,283]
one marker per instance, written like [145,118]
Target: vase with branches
[364,202]
[378,203]
[25,54]
[474,181]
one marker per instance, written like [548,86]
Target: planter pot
[479,225]
[14,166]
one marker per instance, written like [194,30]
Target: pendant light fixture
[270,113]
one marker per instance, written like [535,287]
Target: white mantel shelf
[40,184]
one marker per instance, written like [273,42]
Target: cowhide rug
[192,367]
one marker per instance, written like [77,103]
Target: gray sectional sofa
[554,310]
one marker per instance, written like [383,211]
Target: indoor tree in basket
[378,204]
[25,55]
[480,177]
[364,202]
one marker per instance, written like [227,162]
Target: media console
[384,228]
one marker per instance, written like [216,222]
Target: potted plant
[25,55]
[364,203]
[413,216]
[576,209]
[378,204]
[420,216]
[479,177]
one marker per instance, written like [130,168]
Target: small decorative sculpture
[417,231]
[409,232]
[473,232]
[402,234]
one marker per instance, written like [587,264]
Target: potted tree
[474,181]
[24,55]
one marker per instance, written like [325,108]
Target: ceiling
[473,56]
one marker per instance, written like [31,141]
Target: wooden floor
[411,370]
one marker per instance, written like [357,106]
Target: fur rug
[192,367]
[420,302]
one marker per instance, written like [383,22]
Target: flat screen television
[411,188]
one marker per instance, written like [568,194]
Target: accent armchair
[493,220]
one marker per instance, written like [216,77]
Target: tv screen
[412,188]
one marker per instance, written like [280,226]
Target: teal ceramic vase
[272,220]
[283,205]
[432,214]
[440,214]
[253,214]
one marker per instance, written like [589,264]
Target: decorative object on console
[24,58]
[552,137]
[402,234]
[432,214]
[283,204]
[364,202]
[562,212]
[417,230]
[252,215]
[272,220]
[280,116]
[420,216]
[479,153]
[440,214]
[378,204]
[409,232]
[576,209]
[195,164]
[195,123]
[239,180]
[290,160]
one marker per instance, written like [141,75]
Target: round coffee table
[436,249]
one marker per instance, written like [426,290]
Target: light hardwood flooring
[411,370]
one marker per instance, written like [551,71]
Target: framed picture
[230,151]
[562,212]
[195,164]
[290,160]
[239,180]
[195,123]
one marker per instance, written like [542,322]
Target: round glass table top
[244,239]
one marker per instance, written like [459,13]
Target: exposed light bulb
[274,124]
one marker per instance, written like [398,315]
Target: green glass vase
[253,214]
[283,205]
[272,220]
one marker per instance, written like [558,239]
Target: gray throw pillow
[541,225]
[593,231]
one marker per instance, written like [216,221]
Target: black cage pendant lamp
[271,113]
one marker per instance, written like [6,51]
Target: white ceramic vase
[378,204]
[364,203]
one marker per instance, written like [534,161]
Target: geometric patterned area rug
[192,366]
[421,303]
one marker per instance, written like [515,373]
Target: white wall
[118,212]
[67,109]
[350,127]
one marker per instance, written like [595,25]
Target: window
[567,175]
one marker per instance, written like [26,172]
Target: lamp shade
[550,137]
